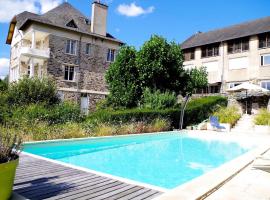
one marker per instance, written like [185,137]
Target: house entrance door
[84,103]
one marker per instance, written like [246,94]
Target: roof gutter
[11,30]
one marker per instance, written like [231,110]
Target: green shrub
[10,145]
[64,112]
[263,118]
[157,100]
[31,91]
[159,124]
[4,108]
[57,114]
[44,131]
[228,115]
[28,114]
[197,110]
[3,85]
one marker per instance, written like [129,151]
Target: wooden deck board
[40,179]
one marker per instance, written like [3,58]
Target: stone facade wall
[76,96]
[89,68]
[72,96]
[93,99]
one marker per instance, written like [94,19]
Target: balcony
[35,44]
[34,52]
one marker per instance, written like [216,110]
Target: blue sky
[134,21]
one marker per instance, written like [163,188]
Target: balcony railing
[39,53]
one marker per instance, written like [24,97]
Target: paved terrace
[41,179]
[250,184]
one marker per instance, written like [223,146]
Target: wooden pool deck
[41,179]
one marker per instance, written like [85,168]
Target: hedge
[197,110]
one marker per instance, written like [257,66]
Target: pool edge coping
[102,137]
[206,184]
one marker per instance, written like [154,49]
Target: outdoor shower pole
[246,102]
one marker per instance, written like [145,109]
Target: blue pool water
[165,160]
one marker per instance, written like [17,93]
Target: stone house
[67,46]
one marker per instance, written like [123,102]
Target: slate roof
[59,17]
[232,32]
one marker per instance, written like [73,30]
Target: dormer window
[71,24]
[189,54]
[87,21]
[238,45]
[264,40]
[210,50]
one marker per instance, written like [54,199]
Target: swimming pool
[165,160]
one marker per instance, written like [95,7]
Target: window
[238,46]
[265,85]
[69,73]
[88,49]
[238,63]
[189,67]
[71,24]
[28,70]
[110,55]
[87,21]
[71,46]
[211,66]
[231,85]
[265,60]
[210,50]
[264,40]
[189,54]
[14,73]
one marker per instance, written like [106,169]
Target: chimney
[99,18]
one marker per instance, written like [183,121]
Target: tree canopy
[196,79]
[123,79]
[158,65]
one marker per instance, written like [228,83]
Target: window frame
[234,84]
[237,45]
[67,68]
[214,49]
[190,53]
[88,49]
[69,47]
[265,40]
[262,60]
[111,54]
[265,81]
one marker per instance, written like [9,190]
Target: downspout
[79,63]
[223,68]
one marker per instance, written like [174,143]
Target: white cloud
[46,5]
[133,10]
[4,67]
[9,8]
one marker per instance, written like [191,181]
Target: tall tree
[123,79]
[196,79]
[160,65]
